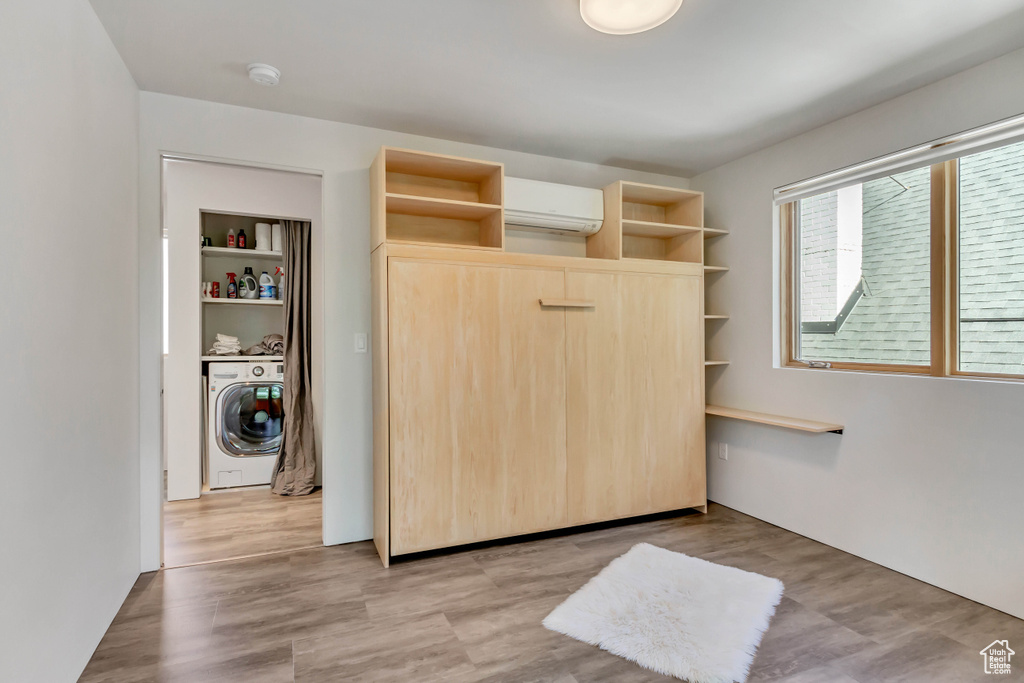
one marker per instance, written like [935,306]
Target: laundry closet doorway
[228,231]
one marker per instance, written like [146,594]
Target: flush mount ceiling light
[264,74]
[622,17]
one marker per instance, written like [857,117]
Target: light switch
[360,342]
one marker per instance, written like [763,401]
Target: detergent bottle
[232,286]
[280,282]
[247,287]
[266,286]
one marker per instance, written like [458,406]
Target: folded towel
[225,345]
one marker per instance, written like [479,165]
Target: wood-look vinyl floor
[334,614]
[239,523]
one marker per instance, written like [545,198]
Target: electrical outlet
[723,451]
[360,342]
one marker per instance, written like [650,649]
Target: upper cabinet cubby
[435,199]
[661,223]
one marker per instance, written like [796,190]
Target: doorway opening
[232,391]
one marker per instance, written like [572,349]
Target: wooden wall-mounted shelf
[715,362]
[714,232]
[424,198]
[650,222]
[716,317]
[775,420]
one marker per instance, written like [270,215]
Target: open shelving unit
[435,199]
[650,222]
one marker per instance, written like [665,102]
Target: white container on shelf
[263,238]
[275,240]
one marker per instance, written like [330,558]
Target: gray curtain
[295,469]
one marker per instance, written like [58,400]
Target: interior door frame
[151,493]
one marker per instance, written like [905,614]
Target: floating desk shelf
[714,232]
[716,362]
[716,317]
[232,252]
[247,302]
[775,420]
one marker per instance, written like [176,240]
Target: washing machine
[244,423]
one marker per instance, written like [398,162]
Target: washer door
[249,418]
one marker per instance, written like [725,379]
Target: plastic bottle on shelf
[241,239]
[280,282]
[266,286]
[231,237]
[247,287]
[232,286]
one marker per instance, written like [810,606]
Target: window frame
[944,268]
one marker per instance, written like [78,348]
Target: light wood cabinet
[635,395]
[517,393]
[477,415]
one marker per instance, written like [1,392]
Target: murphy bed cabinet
[515,393]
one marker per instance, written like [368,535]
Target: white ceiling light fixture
[622,17]
[264,74]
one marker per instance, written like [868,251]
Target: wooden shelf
[714,232]
[715,269]
[716,317]
[636,228]
[247,302]
[716,362]
[425,198]
[232,252]
[775,420]
[656,195]
[241,359]
[433,207]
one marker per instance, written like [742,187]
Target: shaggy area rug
[674,614]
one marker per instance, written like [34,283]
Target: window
[991,255]
[918,270]
[864,272]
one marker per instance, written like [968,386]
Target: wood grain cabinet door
[477,403]
[635,395]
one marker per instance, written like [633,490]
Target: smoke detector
[264,74]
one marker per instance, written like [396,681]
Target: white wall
[929,476]
[344,153]
[190,188]
[69,520]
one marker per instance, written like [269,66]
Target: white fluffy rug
[674,614]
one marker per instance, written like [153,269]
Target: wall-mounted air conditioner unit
[550,207]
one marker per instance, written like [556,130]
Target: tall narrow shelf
[423,198]
[709,233]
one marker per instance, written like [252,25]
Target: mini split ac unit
[550,207]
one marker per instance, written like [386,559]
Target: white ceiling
[721,79]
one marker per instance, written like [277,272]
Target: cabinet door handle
[567,303]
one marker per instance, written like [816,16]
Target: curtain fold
[295,469]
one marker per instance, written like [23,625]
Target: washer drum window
[249,418]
